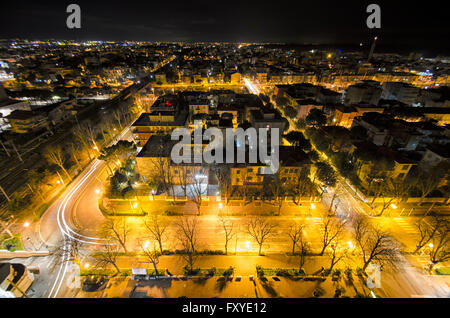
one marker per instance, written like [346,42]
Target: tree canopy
[316,117]
[297,139]
[326,174]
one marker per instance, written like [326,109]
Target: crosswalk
[406,226]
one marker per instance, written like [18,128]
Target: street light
[220,205]
[431,245]
[97,191]
[393,206]
[26,224]
[313,206]
[86,265]
[350,244]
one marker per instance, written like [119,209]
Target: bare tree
[392,190]
[229,231]
[188,237]
[171,182]
[68,251]
[81,140]
[54,155]
[87,131]
[375,244]
[277,187]
[337,254]
[223,175]
[107,129]
[108,256]
[183,178]
[118,116]
[187,228]
[303,184]
[332,229]
[440,251]
[35,182]
[303,249]
[152,255]
[198,191]
[244,188]
[260,229]
[157,229]
[427,230]
[426,183]
[161,167]
[295,234]
[74,155]
[117,230]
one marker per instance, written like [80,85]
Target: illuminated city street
[198,153]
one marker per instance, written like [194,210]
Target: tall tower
[372,48]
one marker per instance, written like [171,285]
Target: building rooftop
[440,150]
[157,146]
[144,120]
[24,114]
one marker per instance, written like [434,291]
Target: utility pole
[17,152]
[6,150]
[4,193]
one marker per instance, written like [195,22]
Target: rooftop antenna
[372,48]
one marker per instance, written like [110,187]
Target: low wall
[5,254]
[415,201]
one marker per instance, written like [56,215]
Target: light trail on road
[67,232]
[249,85]
[62,222]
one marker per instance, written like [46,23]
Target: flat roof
[144,120]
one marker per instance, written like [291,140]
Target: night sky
[404,23]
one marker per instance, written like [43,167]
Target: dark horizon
[418,28]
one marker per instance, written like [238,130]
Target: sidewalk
[244,264]
[212,206]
